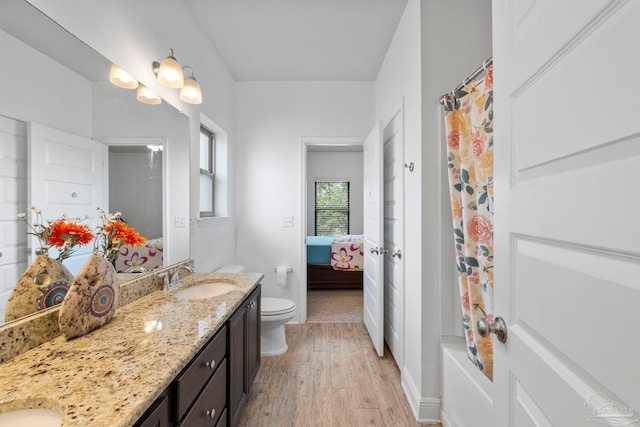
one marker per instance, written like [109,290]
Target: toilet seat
[275,306]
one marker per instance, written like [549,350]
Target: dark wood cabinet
[243,352]
[253,336]
[212,389]
[191,381]
[157,415]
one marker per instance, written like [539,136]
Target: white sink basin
[31,418]
[205,290]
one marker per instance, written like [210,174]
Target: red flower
[488,79]
[465,301]
[478,139]
[119,231]
[480,229]
[68,233]
[453,139]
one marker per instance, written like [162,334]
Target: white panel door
[567,257]
[66,176]
[13,200]
[394,238]
[373,286]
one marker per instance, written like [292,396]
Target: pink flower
[453,139]
[342,259]
[465,301]
[478,139]
[488,80]
[480,229]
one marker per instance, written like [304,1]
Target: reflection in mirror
[58,81]
[135,187]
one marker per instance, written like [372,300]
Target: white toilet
[274,314]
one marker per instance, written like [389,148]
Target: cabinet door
[237,362]
[253,336]
[157,415]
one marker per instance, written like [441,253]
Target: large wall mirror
[52,78]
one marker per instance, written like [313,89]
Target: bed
[335,262]
[140,259]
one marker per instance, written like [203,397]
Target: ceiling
[299,40]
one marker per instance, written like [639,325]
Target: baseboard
[425,409]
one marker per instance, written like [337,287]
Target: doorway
[337,153]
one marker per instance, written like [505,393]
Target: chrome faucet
[174,279]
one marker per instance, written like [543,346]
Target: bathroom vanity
[161,361]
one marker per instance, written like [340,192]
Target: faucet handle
[165,278]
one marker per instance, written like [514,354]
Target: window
[332,208]
[207,172]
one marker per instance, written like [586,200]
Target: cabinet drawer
[211,403]
[157,415]
[222,422]
[195,376]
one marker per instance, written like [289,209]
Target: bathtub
[467,394]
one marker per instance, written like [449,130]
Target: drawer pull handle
[211,413]
[211,364]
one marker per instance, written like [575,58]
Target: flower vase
[92,298]
[44,284]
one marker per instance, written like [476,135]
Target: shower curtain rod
[476,73]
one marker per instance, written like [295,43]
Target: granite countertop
[110,376]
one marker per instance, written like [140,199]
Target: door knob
[397,253]
[498,327]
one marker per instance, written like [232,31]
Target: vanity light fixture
[154,148]
[169,72]
[191,91]
[121,78]
[147,96]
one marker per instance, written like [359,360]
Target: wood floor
[330,376]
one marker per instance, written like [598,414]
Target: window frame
[211,171]
[316,209]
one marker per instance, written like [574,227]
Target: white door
[567,255]
[373,286]
[66,176]
[394,238]
[13,200]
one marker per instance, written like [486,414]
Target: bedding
[335,262]
[347,253]
[319,249]
[149,256]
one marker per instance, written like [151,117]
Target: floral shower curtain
[469,127]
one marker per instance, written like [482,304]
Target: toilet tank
[230,269]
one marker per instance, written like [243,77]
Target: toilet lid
[273,306]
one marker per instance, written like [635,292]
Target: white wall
[399,78]
[435,46]
[36,88]
[272,117]
[456,39]
[137,180]
[133,35]
[333,165]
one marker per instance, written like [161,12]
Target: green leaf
[458,233]
[464,175]
[483,198]
[469,189]
[471,261]
[458,187]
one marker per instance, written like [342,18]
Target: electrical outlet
[287,221]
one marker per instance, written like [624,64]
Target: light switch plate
[180,222]
[287,221]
